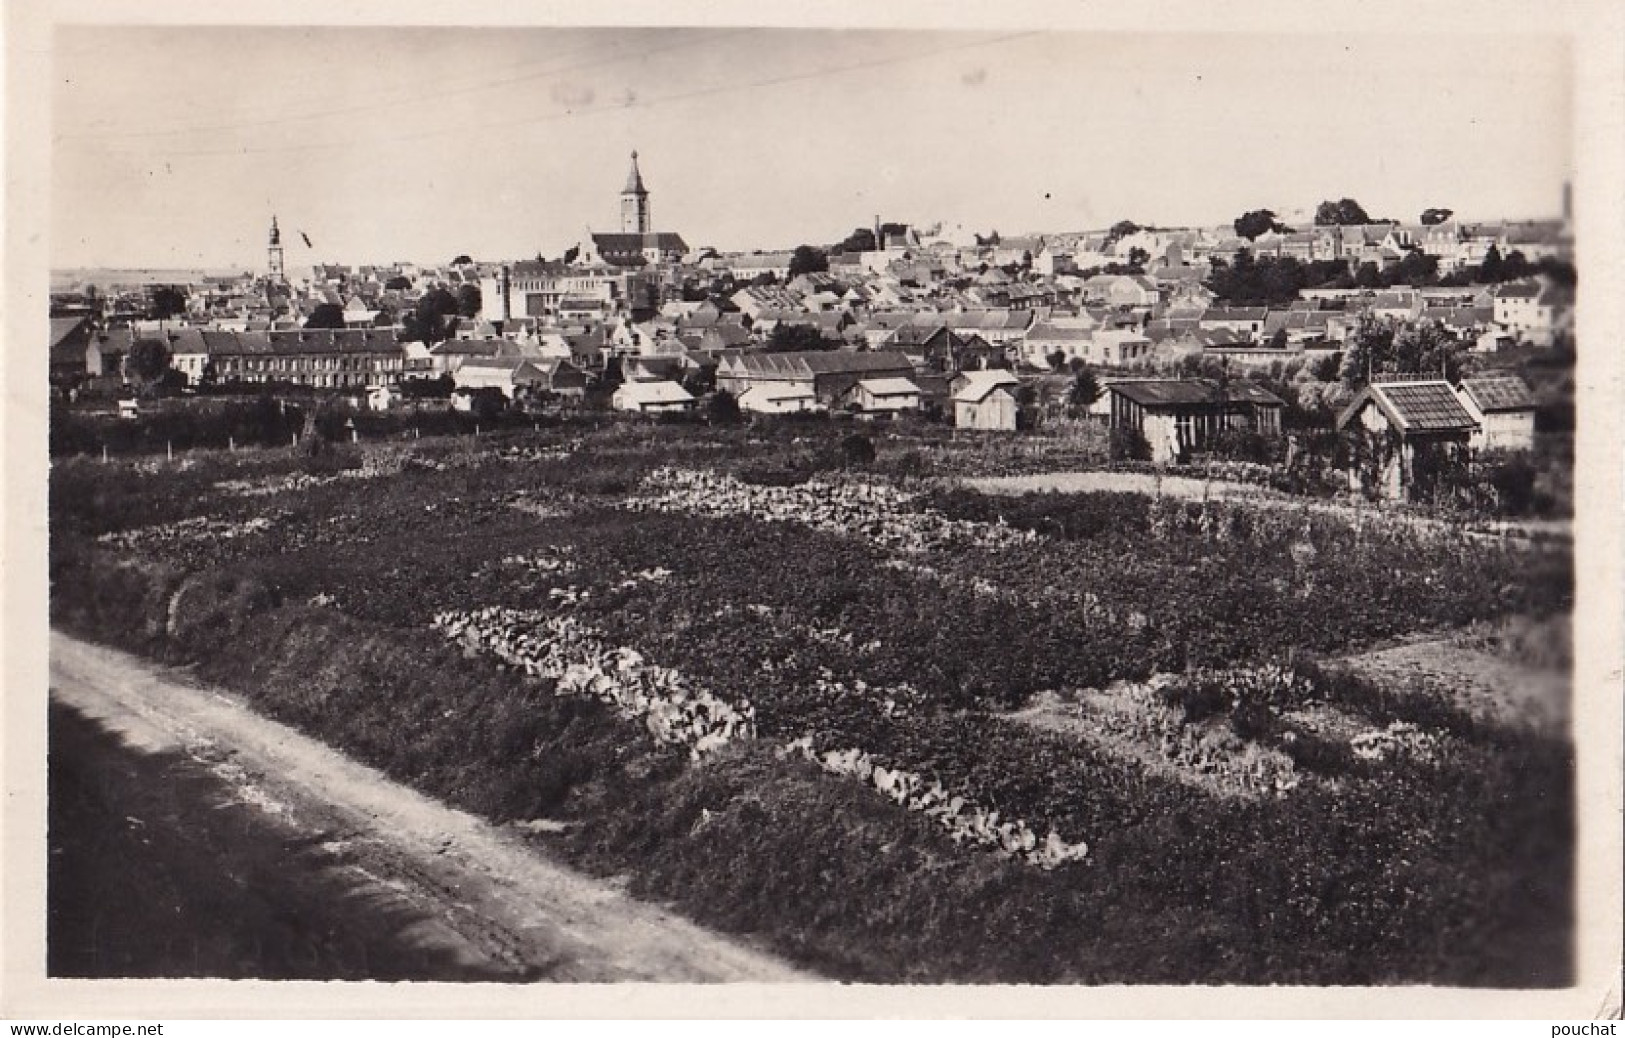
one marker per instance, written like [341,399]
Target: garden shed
[1177,416]
[1398,430]
[1504,410]
[985,400]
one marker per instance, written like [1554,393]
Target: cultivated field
[890,729]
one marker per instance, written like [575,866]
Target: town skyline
[185,170]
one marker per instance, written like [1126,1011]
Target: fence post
[231,444]
[169,450]
[104,454]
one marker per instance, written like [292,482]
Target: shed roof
[889,387]
[1414,407]
[1498,393]
[1171,392]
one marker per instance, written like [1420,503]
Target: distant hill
[107,277]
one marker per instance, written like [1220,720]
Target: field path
[481,902]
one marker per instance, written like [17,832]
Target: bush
[857,451]
[1128,444]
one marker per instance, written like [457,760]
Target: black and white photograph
[951,503]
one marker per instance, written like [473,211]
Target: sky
[174,146]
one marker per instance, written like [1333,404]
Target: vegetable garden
[894,730]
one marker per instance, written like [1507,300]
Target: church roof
[634,180]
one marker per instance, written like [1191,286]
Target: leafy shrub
[1128,444]
[857,451]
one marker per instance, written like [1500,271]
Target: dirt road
[193,837]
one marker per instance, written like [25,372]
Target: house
[883,396]
[1399,305]
[652,398]
[1116,347]
[1245,320]
[1527,309]
[827,373]
[1503,410]
[985,400]
[75,351]
[319,359]
[1179,416]
[1070,339]
[1397,420]
[778,398]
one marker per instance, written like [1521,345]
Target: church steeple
[274,253]
[635,202]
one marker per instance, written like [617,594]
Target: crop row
[881,514]
[583,664]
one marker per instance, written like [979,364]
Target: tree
[1122,229]
[1250,225]
[794,338]
[1383,347]
[700,381]
[1418,268]
[1368,276]
[723,409]
[1366,351]
[428,323]
[461,261]
[468,300]
[862,239]
[808,260]
[1056,359]
[326,315]
[167,301]
[1492,269]
[1085,391]
[399,283]
[1342,212]
[1431,217]
[148,360]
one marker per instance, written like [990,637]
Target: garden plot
[1482,684]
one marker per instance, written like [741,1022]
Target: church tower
[635,202]
[274,253]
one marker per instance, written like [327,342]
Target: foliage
[430,320]
[1344,211]
[468,300]
[1251,224]
[862,239]
[858,451]
[1129,444]
[808,260]
[787,337]
[166,301]
[1379,346]
[1434,216]
[723,409]
[148,360]
[1122,229]
[326,315]
[1380,867]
